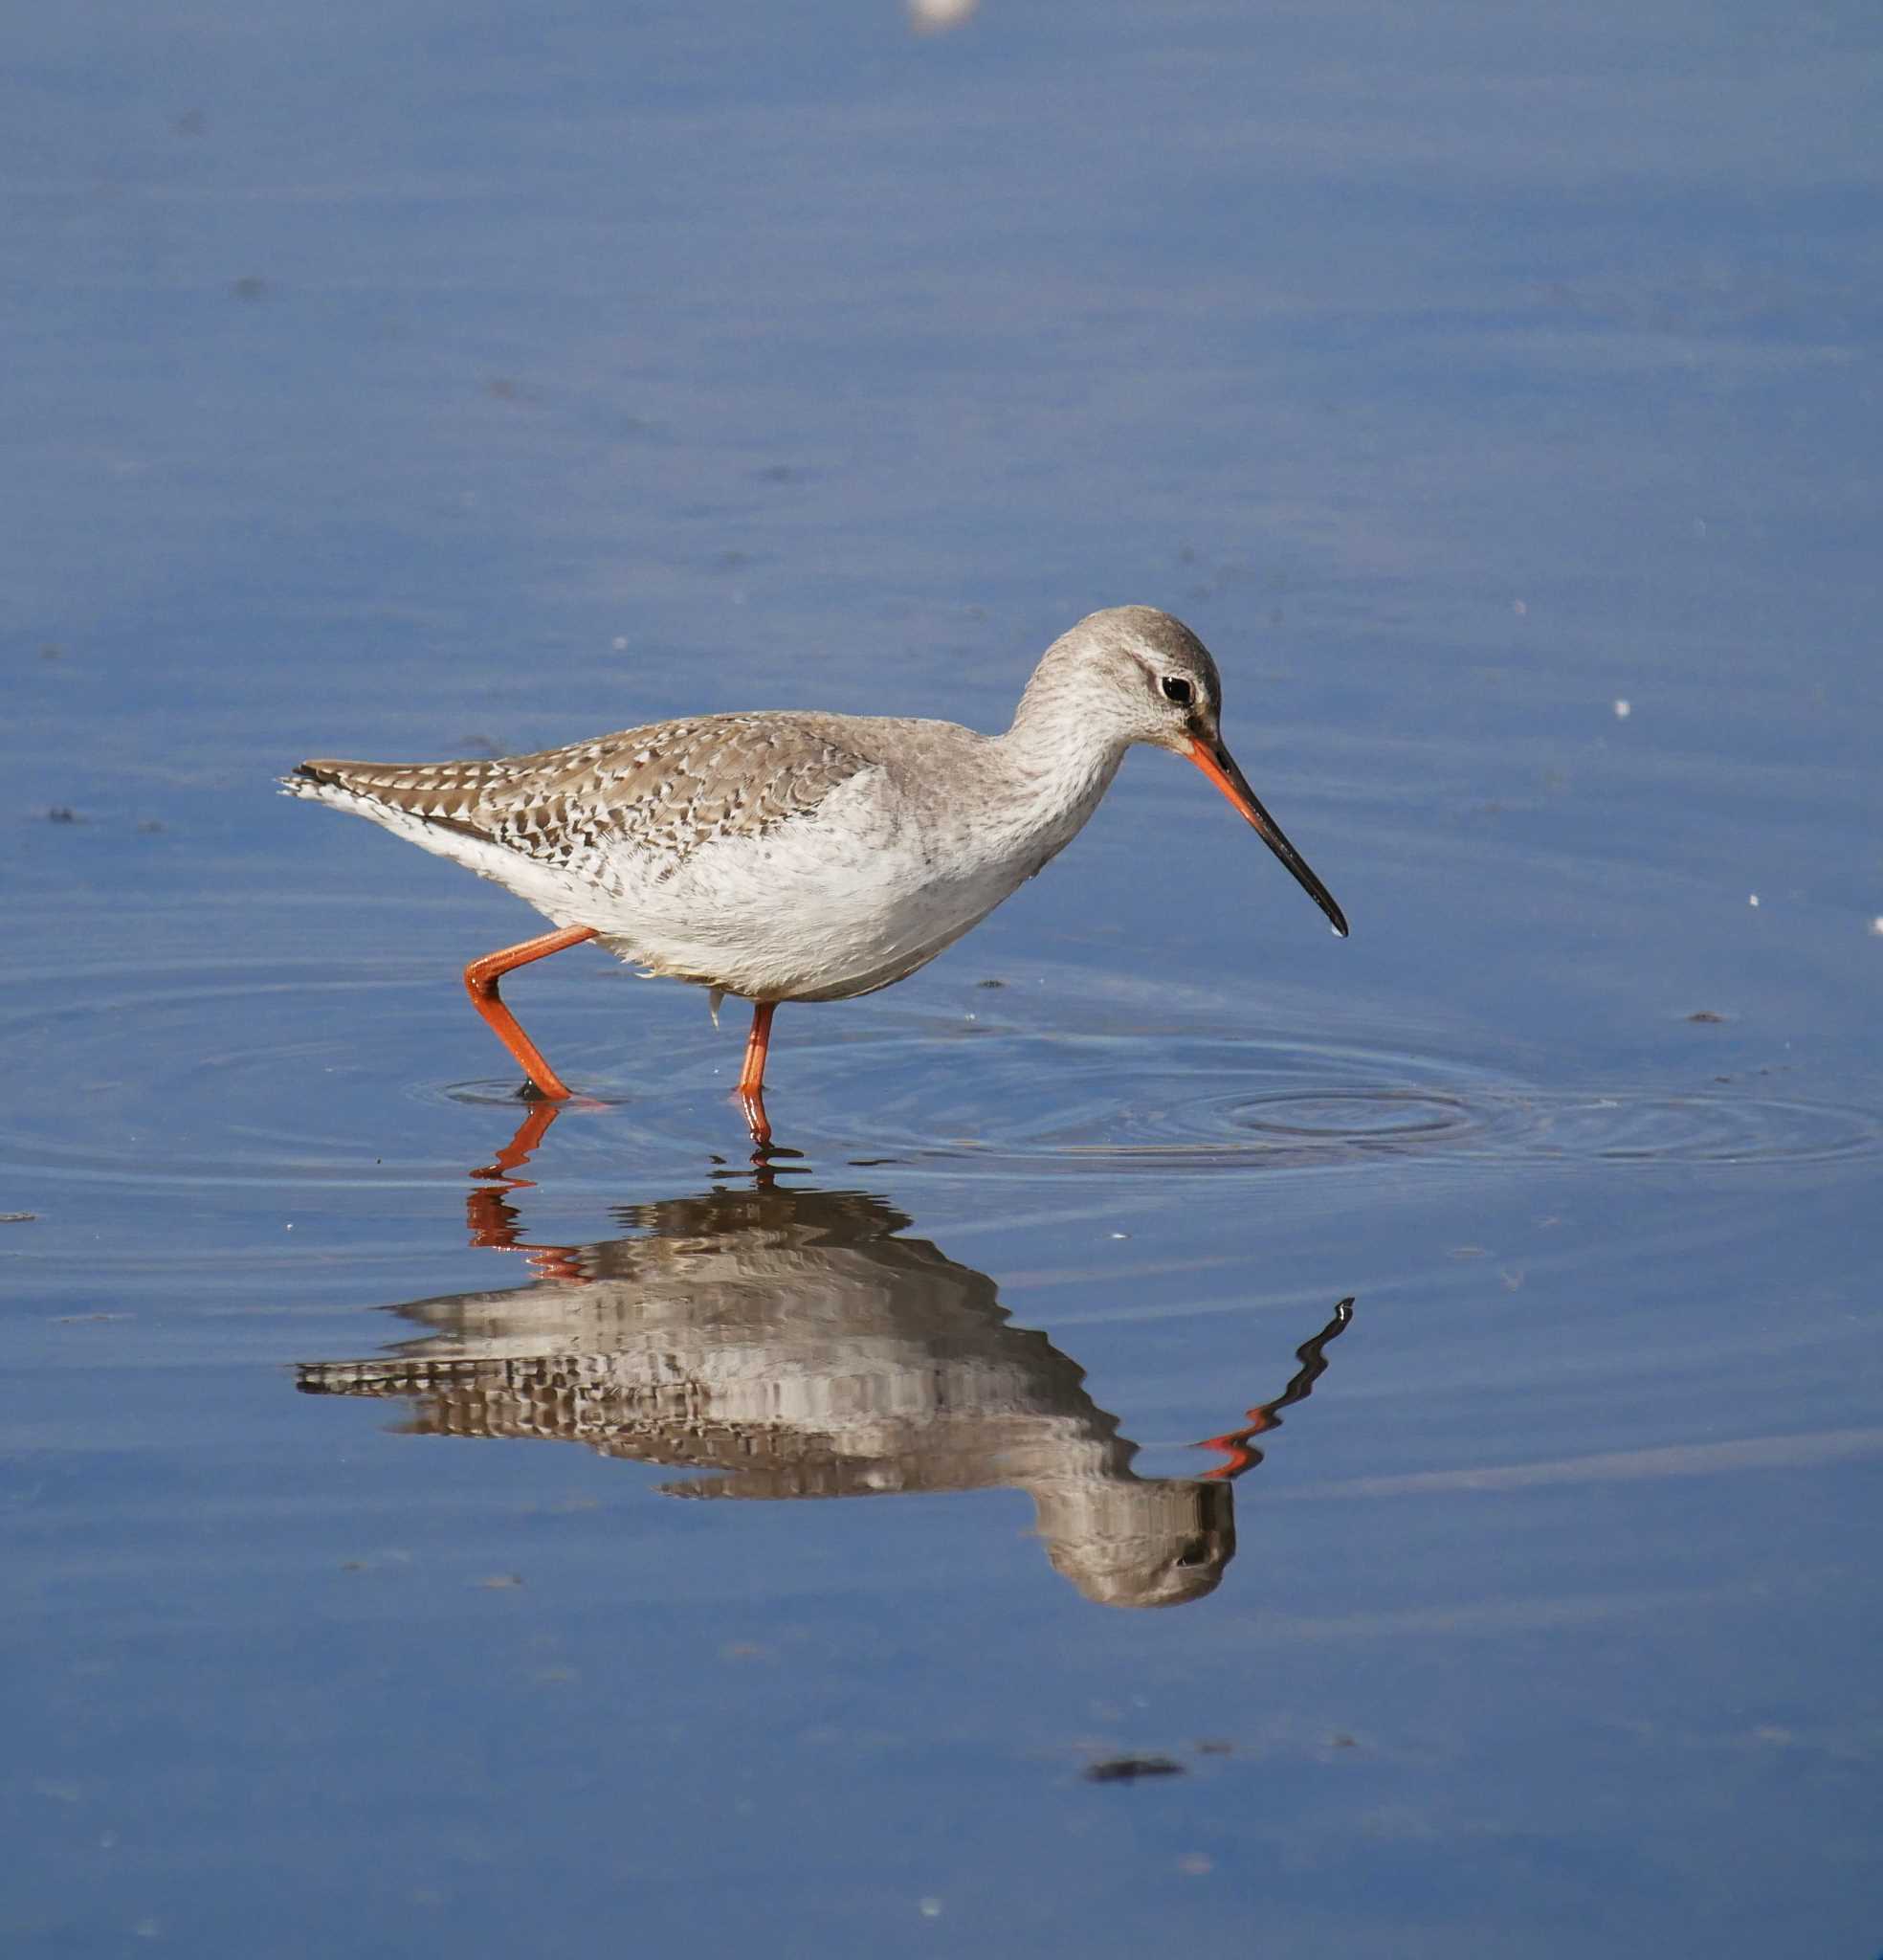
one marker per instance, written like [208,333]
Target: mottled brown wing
[666,789]
[565,1397]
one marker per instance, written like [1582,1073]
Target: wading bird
[803,857]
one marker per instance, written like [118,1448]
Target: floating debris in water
[1130,1768]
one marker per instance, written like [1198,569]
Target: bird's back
[666,789]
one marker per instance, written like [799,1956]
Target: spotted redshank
[803,857]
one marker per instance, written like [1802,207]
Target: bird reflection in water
[784,1342]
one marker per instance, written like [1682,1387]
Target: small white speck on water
[1194,1865]
[1877,927]
[619,642]
[972,1017]
[1622,710]
[1120,1234]
[1753,900]
[1518,606]
[287,1228]
[939,16]
[929,1909]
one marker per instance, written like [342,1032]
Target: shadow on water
[781,1341]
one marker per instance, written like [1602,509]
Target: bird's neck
[1061,758]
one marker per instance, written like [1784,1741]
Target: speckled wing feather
[664,789]
[583,1398]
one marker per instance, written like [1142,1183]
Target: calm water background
[419,380]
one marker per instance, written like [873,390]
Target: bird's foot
[752,1102]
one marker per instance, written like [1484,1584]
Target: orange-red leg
[751,1077]
[481,978]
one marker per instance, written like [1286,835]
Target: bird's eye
[1179,690]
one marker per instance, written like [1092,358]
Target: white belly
[836,904]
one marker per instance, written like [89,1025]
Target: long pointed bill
[1219,765]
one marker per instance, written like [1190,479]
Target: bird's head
[1155,681]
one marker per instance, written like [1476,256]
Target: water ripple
[238,1073]
[1279,1104]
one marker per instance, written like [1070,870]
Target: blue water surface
[1212,1435]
